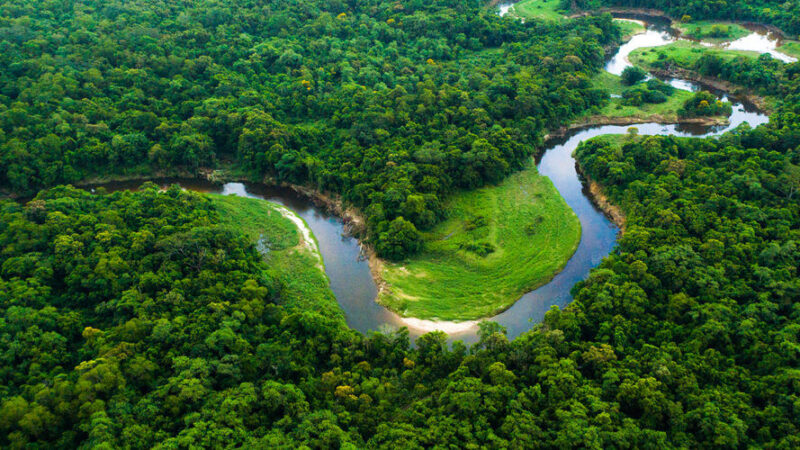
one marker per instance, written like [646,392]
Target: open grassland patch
[497,243]
[684,53]
[538,9]
[791,48]
[629,27]
[712,31]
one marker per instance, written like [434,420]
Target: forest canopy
[393,105]
[140,320]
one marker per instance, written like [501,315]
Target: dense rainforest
[136,320]
[393,105]
[132,319]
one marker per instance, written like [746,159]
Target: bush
[475,222]
[481,249]
[633,97]
[654,97]
[658,85]
[632,75]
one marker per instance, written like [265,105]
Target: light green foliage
[683,54]
[629,28]
[711,31]
[496,243]
[791,48]
[538,9]
[257,220]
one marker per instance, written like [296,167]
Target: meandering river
[349,272]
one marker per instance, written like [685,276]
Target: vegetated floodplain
[684,53]
[791,48]
[616,107]
[538,9]
[294,263]
[711,31]
[629,27]
[497,243]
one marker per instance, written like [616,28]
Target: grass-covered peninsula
[496,243]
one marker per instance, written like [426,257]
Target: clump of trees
[703,104]
[654,91]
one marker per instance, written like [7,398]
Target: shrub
[632,75]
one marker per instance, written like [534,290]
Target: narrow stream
[350,276]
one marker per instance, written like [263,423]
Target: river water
[349,273]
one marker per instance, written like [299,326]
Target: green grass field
[685,53]
[303,282]
[629,27]
[537,9]
[791,48]
[525,219]
[710,31]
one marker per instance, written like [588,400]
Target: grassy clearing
[538,9]
[526,221]
[667,111]
[791,48]
[711,31]
[684,53]
[304,285]
[629,28]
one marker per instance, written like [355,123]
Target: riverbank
[762,103]
[622,121]
[286,242]
[598,197]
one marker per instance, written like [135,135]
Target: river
[349,272]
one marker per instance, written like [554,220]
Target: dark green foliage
[399,238]
[632,75]
[640,95]
[481,249]
[704,104]
[531,228]
[764,74]
[655,84]
[707,279]
[654,91]
[135,320]
[475,222]
[391,104]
